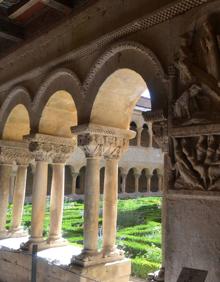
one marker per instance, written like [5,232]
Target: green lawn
[139,229]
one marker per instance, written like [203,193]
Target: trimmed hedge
[141,267]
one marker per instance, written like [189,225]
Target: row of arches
[64,98]
[146,182]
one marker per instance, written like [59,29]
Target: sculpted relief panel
[196,163]
[199,74]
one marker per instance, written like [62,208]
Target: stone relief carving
[199,72]
[196,163]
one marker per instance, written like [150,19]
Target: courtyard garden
[139,229]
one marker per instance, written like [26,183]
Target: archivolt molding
[49,86]
[120,47]
[18,95]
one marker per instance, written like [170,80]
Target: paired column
[5,175]
[41,152]
[139,131]
[60,156]
[98,142]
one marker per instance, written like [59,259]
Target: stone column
[150,133]
[137,176]
[117,145]
[12,183]
[148,182]
[74,177]
[5,175]
[18,202]
[160,182]
[139,130]
[123,184]
[41,150]
[62,153]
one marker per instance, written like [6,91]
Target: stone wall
[195,224]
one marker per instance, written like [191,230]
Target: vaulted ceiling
[23,19]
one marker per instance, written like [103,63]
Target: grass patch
[138,234]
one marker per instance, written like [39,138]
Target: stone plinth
[53,266]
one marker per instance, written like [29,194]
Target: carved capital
[50,148]
[100,141]
[14,152]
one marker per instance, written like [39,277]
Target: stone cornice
[157,17]
[92,128]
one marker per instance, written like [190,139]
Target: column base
[56,242]
[4,234]
[88,258]
[18,232]
[115,254]
[158,276]
[105,271]
[39,241]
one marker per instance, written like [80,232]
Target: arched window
[145,136]
[133,126]
[130,182]
[154,181]
[143,182]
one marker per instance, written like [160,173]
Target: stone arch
[59,96]
[133,127]
[15,115]
[124,86]
[145,136]
[132,56]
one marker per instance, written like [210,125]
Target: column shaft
[5,174]
[19,197]
[137,183]
[91,209]
[123,185]
[39,200]
[56,202]
[148,183]
[110,205]
[74,177]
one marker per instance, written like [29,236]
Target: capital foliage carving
[50,148]
[12,152]
[100,141]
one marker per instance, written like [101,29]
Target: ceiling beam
[10,31]
[55,4]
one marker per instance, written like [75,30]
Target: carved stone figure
[199,72]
